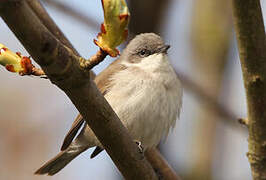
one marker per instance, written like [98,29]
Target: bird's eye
[144,53]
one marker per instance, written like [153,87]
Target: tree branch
[94,60]
[48,22]
[61,66]
[250,33]
[64,8]
[160,165]
[229,117]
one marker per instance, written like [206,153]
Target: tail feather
[96,151]
[59,161]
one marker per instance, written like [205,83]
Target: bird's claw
[139,146]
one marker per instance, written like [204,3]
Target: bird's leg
[139,146]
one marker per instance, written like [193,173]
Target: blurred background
[207,143]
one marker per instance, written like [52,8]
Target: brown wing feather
[102,80]
[96,151]
[72,132]
[103,83]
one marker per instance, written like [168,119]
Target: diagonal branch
[229,116]
[160,165]
[48,22]
[61,66]
[251,40]
[64,8]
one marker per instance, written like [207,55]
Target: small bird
[144,91]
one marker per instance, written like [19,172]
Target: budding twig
[93,61]
[243,121]
[17,63]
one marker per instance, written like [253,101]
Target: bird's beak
[164,49]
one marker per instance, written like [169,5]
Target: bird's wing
[72,132]
[102,80]
[96,151]
[103,83]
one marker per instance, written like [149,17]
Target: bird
[144,91]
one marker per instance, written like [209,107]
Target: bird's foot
[139,146]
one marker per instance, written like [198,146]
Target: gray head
[144,45]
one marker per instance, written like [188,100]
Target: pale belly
[146,108]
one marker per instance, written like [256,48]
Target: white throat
[151,63]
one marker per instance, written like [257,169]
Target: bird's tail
[60,160]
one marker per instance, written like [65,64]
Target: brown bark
[160,165]
[62,67]
[251,40]
[48,22]
[70,11]
[94,60]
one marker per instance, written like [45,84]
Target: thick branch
[62,67]
[48,22]
[64,8]
[252,49]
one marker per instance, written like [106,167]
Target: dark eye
[144,53]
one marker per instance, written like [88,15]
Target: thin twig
[37,72]
[33,72]
[202,94]
[94,60]
[243,121]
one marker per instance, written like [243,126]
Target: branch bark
[250,33]
[94,60]
[48,22]
[160,165]
[66,9]
[62,67]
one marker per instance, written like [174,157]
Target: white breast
[147,97]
